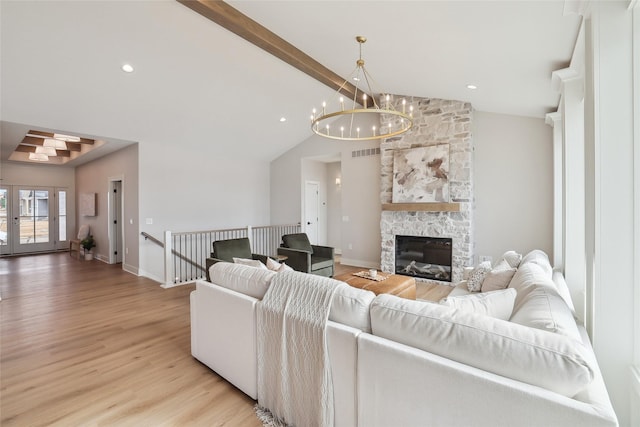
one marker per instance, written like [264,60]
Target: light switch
[149,221]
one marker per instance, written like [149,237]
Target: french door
[32,219]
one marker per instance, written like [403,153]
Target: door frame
[315,240]
[13,246]
[112,184]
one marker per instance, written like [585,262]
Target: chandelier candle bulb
[362,90]
[374,130]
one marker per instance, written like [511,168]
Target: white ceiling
[197,84]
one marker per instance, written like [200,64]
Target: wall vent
[365,152]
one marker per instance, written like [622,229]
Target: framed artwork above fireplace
[421,175]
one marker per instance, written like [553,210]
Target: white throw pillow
[497,279]
[513,258]
[550,361]
[272,264]
[284,267]
[250,262]
[474,283]
[498,304]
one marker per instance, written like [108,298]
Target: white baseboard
[130,269]
[359,263]
[174,285]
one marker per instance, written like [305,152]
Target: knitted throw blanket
[294,375]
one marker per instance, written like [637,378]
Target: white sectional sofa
[398,362]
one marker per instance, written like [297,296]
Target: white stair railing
[185,253]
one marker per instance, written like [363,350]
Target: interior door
[115,219]
[311,210]
[32,220]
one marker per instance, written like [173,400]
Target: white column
[555,121]
[571,85]
[610,141]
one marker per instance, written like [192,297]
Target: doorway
[116,209]
[32,219]
[311,210]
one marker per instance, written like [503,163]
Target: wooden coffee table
[394,284]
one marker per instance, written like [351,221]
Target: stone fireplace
[436,121]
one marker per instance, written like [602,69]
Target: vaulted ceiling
[196,82]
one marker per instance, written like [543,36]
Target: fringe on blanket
[266,417]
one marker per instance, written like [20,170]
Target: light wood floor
[85,343]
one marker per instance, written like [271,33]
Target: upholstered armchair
[227,250]
[305,257]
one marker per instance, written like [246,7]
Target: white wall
[513,170]
[193,185]
[360,195]
[93,177]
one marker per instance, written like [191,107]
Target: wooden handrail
[153,239]
[173,251]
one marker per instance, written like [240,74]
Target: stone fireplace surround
[436,121]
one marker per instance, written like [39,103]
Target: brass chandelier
[362,104]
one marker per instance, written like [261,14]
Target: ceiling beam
[233,20]
[31,149]
[39,142]
[43,134]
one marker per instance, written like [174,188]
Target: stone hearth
[436,121]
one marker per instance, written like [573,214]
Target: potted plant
[87,244]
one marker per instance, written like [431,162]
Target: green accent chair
[226,250]
[305,257]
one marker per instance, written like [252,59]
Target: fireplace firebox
[424,257]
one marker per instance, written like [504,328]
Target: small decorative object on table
[367,275]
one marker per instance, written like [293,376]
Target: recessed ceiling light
[472,87]
[127,68]
[283,119]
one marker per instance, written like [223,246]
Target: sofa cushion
[298,241]
[540,258]
[543,308]
[528,277]
[536,357]
[563,289]
[241,278]
[350,306]
[227,249]
[498,304]
[318,262]
[474,282]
